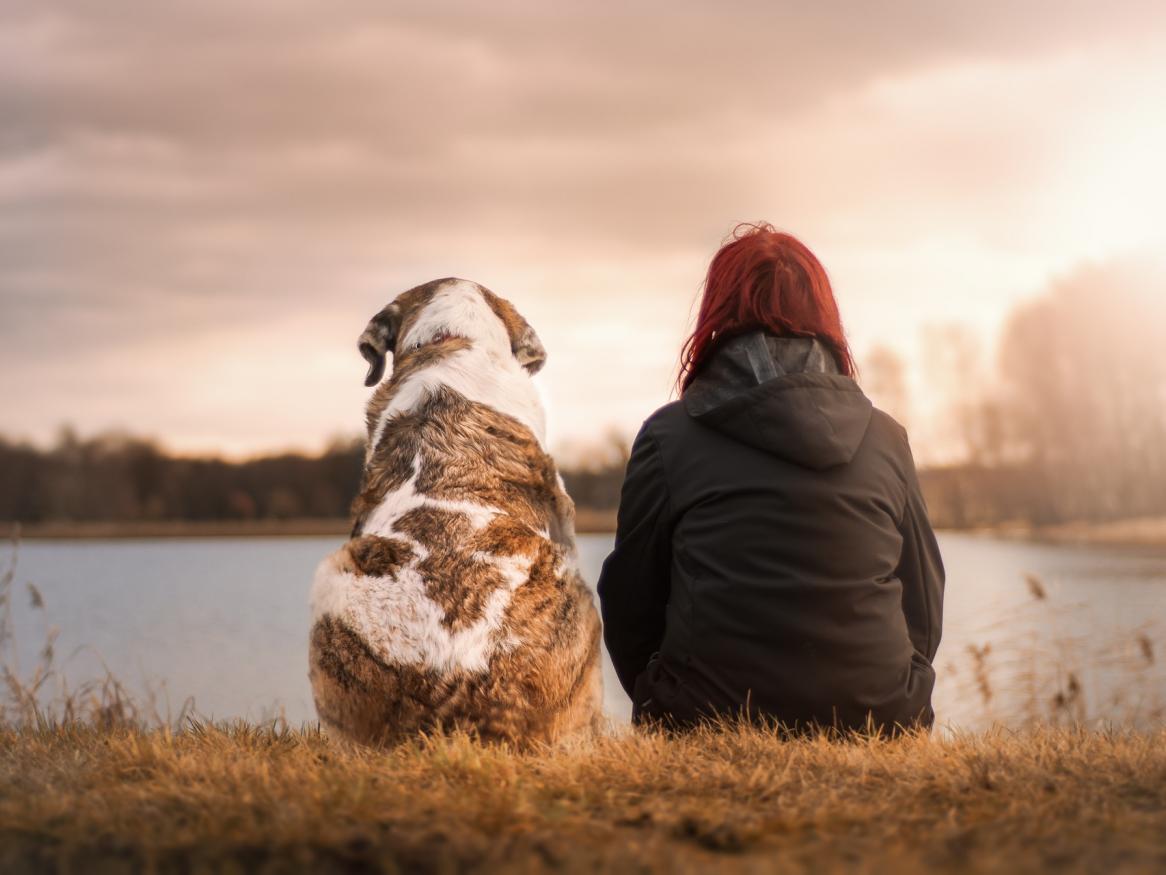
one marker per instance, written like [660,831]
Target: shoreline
[1140,532]
[587,522]
[1134,532]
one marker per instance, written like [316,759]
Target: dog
[457,601]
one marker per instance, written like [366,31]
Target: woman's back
[773,550]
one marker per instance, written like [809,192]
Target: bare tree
[955,370]
[1085,379]
[884,378]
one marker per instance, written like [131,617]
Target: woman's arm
[634,584]
[921,572]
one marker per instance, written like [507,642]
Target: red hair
[764,278]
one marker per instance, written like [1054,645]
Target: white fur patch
[395,616]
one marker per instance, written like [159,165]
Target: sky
[202,204]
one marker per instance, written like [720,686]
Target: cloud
[233,187]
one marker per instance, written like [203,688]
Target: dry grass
[248,798]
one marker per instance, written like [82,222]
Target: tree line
[117,477]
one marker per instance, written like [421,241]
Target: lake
[225,621]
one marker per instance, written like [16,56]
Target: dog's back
[456,602]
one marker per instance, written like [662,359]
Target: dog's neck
[456,343]
[474,370]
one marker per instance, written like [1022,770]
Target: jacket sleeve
[920,571]
[634,584]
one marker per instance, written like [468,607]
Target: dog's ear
[528,349]
[524,343]
[378,339]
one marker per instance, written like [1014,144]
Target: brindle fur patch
[470,452]
[454,579]
[375,556]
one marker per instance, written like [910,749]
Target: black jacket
[773,551]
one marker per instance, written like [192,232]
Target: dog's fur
[457,601]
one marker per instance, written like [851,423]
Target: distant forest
[1068,424]
[118,478]
[121,478]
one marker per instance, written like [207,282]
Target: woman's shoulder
[665,422]
[661,433]
[889,428]
[889,440]
[887,424]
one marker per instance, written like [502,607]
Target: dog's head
[448,308]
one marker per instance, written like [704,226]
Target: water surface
[226,622]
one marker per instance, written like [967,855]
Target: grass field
[243,798]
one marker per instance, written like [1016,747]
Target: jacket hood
[783,395]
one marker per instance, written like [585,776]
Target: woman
[773,555]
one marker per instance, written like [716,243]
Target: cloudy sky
[201,204]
